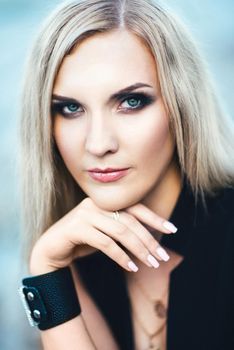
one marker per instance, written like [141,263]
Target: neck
[163,197]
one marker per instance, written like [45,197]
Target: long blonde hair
[203,133]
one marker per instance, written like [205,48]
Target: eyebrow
[114,96]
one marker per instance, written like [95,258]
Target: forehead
[113,57]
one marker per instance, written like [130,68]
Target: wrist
[39,268]
[38,264]
[50,299]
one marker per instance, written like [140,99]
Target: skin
[104,133]
[93,129]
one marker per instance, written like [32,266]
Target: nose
[100,137]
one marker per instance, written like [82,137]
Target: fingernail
[152,261]
[162,253]
[132,266]
[169,226]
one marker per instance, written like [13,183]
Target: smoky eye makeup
[135,101]
[126,103]
[65,106]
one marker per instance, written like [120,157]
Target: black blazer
[201,295]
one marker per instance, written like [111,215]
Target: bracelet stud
[30,296]
[37,314]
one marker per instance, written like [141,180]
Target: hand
[87,226]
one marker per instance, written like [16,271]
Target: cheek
[156,139]
[67,142]
[155,146]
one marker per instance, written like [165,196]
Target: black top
[201,289]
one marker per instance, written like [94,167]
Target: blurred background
[211,23]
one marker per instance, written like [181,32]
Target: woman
[123,142]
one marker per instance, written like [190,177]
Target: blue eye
[136,102]
[132,102]
[127,103]
[70,108]
[66,108]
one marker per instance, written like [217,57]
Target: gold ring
[115,215]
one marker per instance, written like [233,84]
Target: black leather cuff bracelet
[50,299]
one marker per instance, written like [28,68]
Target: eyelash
[58,107]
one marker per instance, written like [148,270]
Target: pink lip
[107,175]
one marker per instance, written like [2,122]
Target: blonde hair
[203,133]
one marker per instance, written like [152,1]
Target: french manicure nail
[132,266]
[169,226]
[152,261]
[162,253]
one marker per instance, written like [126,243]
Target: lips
[108,174]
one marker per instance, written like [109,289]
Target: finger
[147,216]
[144,235]
[123,234]
[107,245]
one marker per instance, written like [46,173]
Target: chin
[115,203]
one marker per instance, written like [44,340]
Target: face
[109,115]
